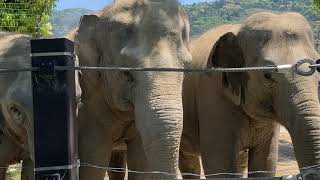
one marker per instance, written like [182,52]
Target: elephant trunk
[306,138]
[300,114]
[159,118]
[307,144]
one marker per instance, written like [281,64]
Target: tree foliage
[22,16]
[316,3]
[204,16]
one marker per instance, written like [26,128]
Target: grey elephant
[139,34]
[16,117]
[239,112]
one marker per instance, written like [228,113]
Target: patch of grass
[14,172]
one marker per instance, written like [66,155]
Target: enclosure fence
[305,67]
[304,172]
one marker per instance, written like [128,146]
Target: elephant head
[140,34]
[16,90]
[287,98]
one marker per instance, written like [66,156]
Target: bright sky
[98,4]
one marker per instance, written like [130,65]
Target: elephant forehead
[132,11]
[124,17]
[287,23]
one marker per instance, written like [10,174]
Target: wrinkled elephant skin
[133,33]
[241,112]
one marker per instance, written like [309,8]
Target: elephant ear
[227,53]
[85,40]
[86,46]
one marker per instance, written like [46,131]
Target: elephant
[137,34]
[16,115]
[228,115]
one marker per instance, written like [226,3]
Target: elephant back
[202,46]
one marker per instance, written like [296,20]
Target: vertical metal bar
[55,128]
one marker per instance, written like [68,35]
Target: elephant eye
[267,76]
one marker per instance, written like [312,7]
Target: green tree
[204,16]
[316,3]
[26,16]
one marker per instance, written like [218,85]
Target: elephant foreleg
[136,159]
[219,144]
[189,165]
[95,145]
[118,160]
[264,156]
[220,161]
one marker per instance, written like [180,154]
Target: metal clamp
[52,54]
[55,168]
[284,68]
[305,67]
[311,171]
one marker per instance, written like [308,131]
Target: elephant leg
[220,145]
[95,145]
[189,165]
[242,161]
[94,150]
[118,160]
[136,159]
[27,169]
[264,156]
[219,159]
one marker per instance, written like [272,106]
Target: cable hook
[305,67]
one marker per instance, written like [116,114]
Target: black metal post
[54,105]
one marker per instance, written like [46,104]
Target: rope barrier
[304,67]
[13,70]
[305,171]
[190,70]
